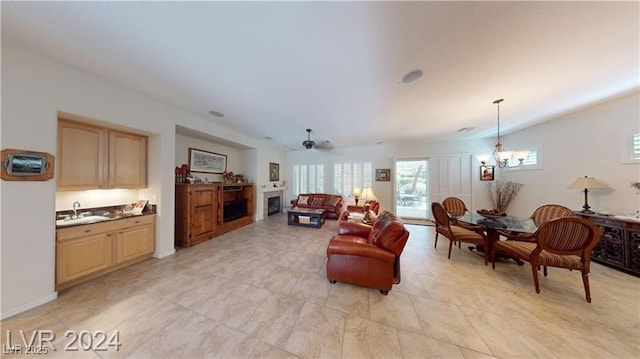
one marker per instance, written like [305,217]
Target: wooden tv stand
[204,211]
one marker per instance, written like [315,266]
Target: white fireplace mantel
[271,189]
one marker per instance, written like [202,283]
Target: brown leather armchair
[368,256]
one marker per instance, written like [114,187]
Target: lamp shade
[356,192]
[587,183]
[368,195]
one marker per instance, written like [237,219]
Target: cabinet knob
[87,230]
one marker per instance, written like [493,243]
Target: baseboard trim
[31,305]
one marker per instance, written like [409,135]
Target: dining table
[492,225]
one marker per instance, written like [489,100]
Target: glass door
[412,188]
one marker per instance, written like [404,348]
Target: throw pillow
[333,201]
[303,200]
[317,201]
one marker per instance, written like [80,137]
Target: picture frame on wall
[487,172]
[383,174]
[206,162]
[274,172]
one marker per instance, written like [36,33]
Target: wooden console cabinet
[204,211]
[91,250]
[619,245]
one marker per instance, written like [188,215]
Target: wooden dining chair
[456,233]
[540,216]
[455,207]
[564,242]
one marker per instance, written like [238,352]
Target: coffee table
[305,217]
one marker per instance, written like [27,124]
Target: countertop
[95,215]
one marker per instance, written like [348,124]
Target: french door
[412,188]
[420,181]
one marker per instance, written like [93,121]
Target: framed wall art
[383,174]
[486,173]
[274,172]
[207,162]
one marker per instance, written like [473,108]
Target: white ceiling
[275,69]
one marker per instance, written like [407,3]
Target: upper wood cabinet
[92,157]
[127,160]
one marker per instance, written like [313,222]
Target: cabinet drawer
[65,234]
[135,221]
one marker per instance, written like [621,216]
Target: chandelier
[499,154]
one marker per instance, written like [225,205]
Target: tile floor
[261,291]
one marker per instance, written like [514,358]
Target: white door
[451,177]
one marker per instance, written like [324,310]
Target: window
[349,175]
[531,159]
[635,145]
[308,178]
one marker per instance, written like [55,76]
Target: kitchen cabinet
[87,251]
[81,156]
[619,245]
[204,211]
[83,256]
[127,160]
[137,241]
[92,157]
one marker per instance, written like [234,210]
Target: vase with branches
[502,193]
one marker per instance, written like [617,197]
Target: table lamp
[356,194]
[367,195]
[587,183]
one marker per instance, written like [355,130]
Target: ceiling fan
[320,145]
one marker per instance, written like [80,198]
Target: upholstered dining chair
[541,215]
[455,207]
[456,233]
[564,242]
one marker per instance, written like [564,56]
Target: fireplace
[269,198]
[273,205]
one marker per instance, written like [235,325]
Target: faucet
[76,205]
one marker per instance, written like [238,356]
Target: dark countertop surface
[96,215]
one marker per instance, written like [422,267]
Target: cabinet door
[610,248]
[81,155]
[127,160]
[135,242]
[83,256]
[634,250]
[203,223]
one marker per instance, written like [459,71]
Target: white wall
[235,156]
[586,142]
[34,89]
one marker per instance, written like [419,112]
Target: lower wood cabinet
[619,245]
[83,256]
[88,251]
[204,211]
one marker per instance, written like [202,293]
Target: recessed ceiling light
[412,77]
[379,142]
[216,113]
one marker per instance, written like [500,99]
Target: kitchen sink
[84,220]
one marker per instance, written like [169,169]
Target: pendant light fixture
[499,154]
